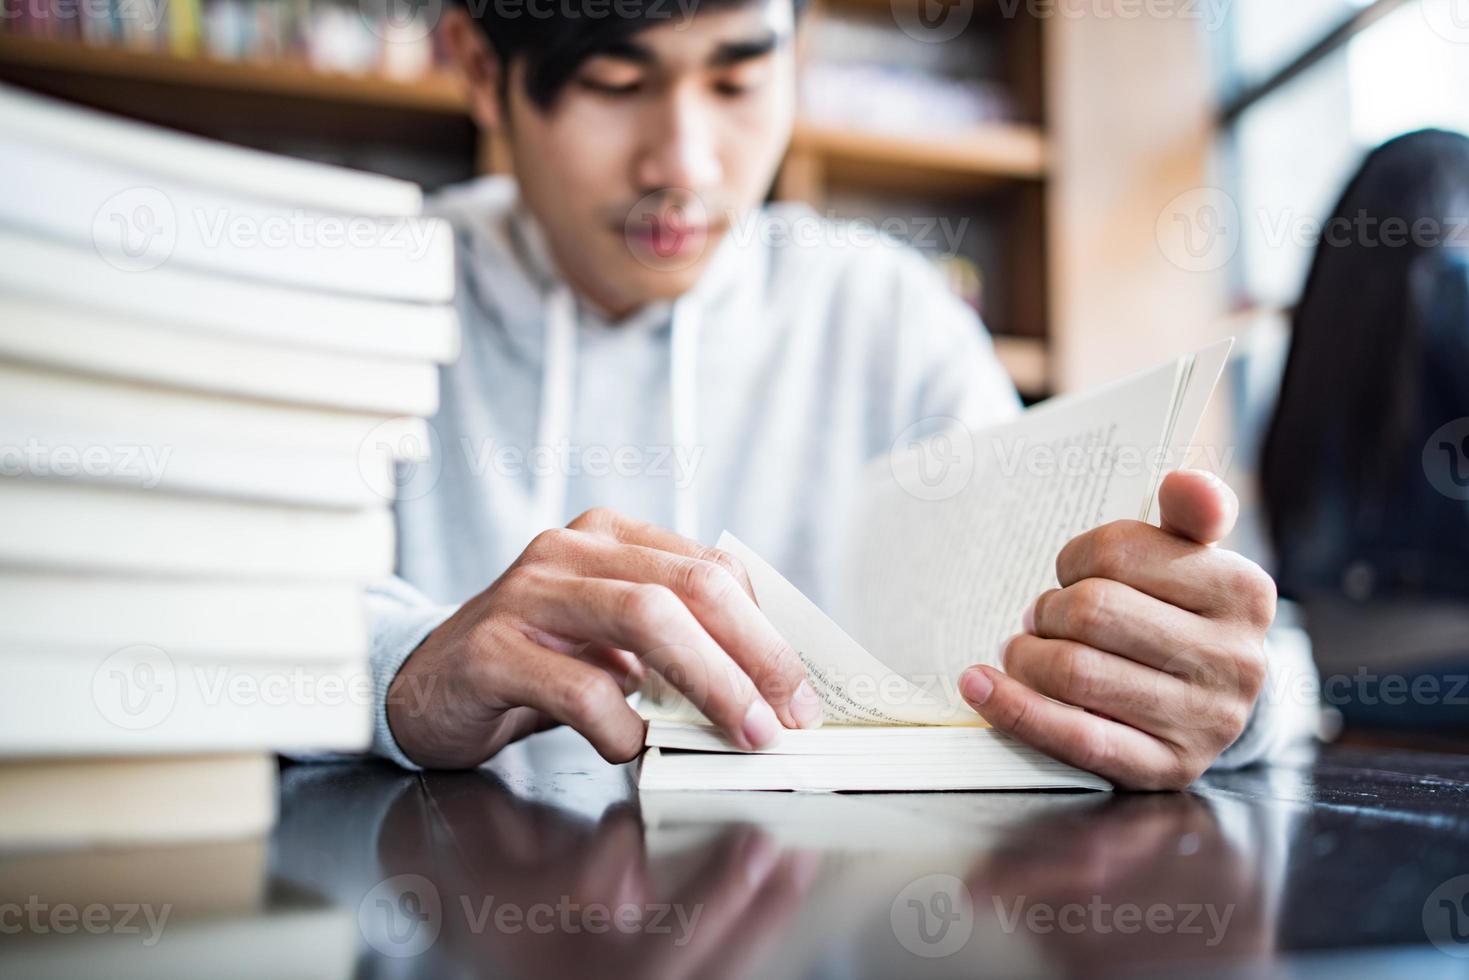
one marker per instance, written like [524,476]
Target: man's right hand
[570,630]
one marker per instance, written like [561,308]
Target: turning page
[943,562]
[957,534]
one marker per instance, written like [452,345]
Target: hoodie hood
[751,404]
[509,278]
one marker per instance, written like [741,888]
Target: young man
[649,348]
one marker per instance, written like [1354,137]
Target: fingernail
[976,686]
[760,857]
[760,726]
[1027,618]
[806,706]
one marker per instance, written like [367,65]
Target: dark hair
[1379,360]
[555,38]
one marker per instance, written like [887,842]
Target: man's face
[639,166]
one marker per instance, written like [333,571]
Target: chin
[647,285]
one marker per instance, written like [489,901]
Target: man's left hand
[1157,634]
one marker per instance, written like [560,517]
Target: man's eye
[731,89]
[610,87]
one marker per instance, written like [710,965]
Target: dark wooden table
[1349,862]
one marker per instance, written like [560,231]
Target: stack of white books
[214,363]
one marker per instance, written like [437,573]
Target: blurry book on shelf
[198,456]
[868,74]
[389,38]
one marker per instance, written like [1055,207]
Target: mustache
[675,209]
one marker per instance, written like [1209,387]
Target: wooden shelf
[441,94]
[999,151]
[992,152]
[960,163]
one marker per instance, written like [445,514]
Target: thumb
[1197,505]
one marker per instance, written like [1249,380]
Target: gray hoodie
[749,404]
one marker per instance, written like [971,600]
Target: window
[1319,83]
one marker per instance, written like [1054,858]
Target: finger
[612,869]
[1110,616]
[724,888]
[1083,676]
[628,530]
[622,665]
[1197,505]
[652,622]
[766,921]
[1208,581]
[572,692]
[728,615]
[1114,751]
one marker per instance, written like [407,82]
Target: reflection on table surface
[547,864]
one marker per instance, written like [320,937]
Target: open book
[955,535]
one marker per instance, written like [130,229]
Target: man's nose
[679,148]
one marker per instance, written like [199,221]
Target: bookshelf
[63,61]
[1002,166]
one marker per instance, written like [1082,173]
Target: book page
[956,535]
[855,687]
[941,569]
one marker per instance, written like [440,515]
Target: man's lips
[666,239]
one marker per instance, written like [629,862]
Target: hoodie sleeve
[949,370]
[399,618]
[1288,710]
[947,367]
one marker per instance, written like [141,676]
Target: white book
[39,268]
[984,760]
[202,879]
[315,940]
[64,425]
[64,526]
[954,537]
[905,824]
[187,158]
[98,802]
[146,700]
[140,221]
[174,907]
[197,617]
[74,338]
